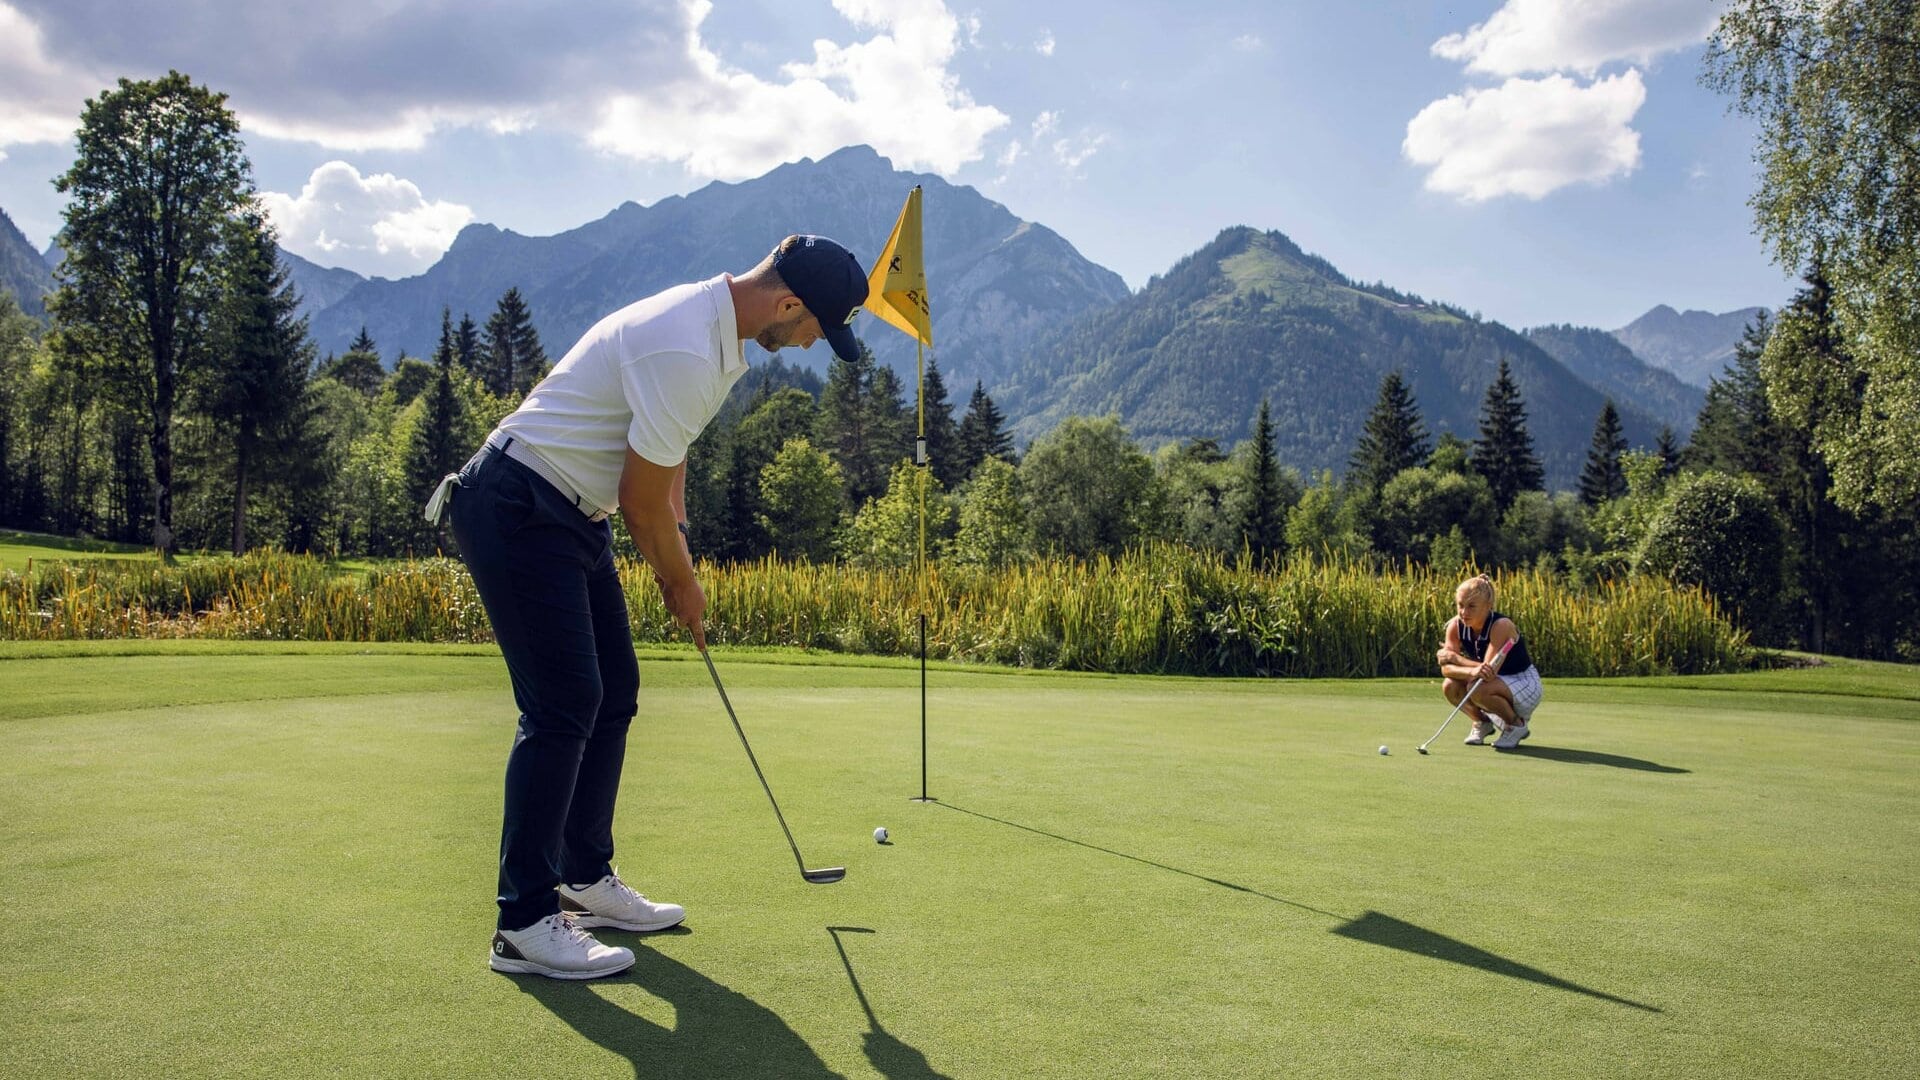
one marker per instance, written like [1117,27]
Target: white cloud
[1044,46]
[1044,124]
[1527,36]
[633,77]
[1249,43]
[1074,152]
[379,224]
[40,99]
[892,91]
[1010,155]
[1528,137]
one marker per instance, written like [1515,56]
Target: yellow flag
[897,288]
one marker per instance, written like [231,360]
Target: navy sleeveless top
[1475,645]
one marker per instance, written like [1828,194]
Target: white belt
[522,453]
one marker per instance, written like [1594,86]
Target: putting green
[221,861]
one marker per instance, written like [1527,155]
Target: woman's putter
[1497,660]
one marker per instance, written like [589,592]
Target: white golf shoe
[1478,735]
[614,903]
[1511,736]
[558,948]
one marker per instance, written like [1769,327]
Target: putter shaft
[823,876]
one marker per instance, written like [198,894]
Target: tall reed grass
[1161,609]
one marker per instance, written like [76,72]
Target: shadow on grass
[1377,929]
[1138,859]
[1373,927]
[716,1032]
[892,1058]
[1591,757]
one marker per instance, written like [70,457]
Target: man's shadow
[894,1059]
[717,1031]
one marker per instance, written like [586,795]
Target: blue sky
[1535,160]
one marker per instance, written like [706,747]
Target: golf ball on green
[880,835]
[1383,751]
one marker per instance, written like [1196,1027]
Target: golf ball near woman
[1383,751]
[880,835]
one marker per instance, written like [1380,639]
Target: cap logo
[852,315]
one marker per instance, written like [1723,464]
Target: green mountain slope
[1610,367]
[1251,316]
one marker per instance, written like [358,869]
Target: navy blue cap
[828,279]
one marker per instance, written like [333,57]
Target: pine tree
[982,434]
[741,537]
[1395,438]
[513,360]
[890,424]
[1736,432]
[943,434]
[1603,479]
[444,354]
[466,344]
[1668,447]
[1504,451]
[363,342]
[1262,509]
[438,445]
[842,428]
[258,377]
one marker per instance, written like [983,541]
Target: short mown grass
[250,859]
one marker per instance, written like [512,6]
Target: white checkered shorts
[1525,687]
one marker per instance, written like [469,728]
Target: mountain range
[1694,345]
[23,272]
[1051,333]
[1001,280]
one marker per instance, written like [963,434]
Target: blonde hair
[1477,588]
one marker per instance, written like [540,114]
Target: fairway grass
[235,860]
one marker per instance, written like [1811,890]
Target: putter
[1497,660]
[826,875]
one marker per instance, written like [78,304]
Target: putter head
[1420,749]
[824,876]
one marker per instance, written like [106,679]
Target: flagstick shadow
[892,1058]
[717,1031]
[1138,859]
[1372,927]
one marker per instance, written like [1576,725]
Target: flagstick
[897,292]
[926,465]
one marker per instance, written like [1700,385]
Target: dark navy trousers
[545,574]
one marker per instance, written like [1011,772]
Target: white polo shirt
[650,376]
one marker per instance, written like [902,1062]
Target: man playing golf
[1475,635]
[608,431]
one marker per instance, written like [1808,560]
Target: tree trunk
[240,494]
[162,438]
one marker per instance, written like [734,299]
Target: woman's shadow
[718,1031]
